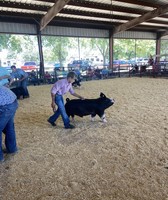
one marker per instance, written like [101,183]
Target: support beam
[41,70]
[149,15]
[164,33]
[111,41]
[158,46]
[142,3]
[52,12]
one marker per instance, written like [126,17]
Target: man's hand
[53,106]
[7,85]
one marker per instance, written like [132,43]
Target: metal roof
[102,14]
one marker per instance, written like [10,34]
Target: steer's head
[106,102]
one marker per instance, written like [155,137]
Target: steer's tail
[67,99]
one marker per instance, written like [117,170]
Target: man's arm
[77,95]
[23,74]
[4,77]
[53,102]
[11,81]
[24,77]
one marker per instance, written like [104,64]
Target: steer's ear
[102,95]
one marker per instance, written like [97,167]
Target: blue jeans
[60,111]
[23,84]
[7,114]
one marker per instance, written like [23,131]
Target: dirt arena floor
[124,159]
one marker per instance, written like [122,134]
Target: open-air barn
[125,158]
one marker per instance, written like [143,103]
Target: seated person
[150,61]
[104,73]
[97,73]
[90,72]
[77,79]
[33,78]
[47,77]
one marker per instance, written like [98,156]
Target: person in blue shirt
[8,107]
[22,79]
[4,76]
[77,79]
[104,73]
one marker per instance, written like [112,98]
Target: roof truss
[87,13]
[149,15]
[52,12]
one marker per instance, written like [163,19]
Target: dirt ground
[123,159]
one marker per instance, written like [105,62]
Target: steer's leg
[102,115]
[92,117]
[73,120]
[103,118]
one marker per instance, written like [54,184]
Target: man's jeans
[23,84]
[60,111]
[7,114]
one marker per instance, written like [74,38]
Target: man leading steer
[60,88]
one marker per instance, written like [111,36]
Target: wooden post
[40,52]
[157,60]
[158,45]
[111,50]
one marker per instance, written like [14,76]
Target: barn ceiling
[117,15]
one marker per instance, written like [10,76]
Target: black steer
[91,107]
[19,92]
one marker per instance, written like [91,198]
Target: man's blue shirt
[4,72]
[19,73]
[6,96]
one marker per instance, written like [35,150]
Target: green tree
[145,47]
[56,48]
[164,47]
[124,49]
[14,46]
[30,50]
[4,41]
[20,46]
[102,45]
[131,48]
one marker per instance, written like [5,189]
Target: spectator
[150,61]
[104,73]
[90,73]
[97,73]
[8,106]
[47,77]
[4,76]
[77,81]
[22,77]
[60,88]
[77,72]
[33,78]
